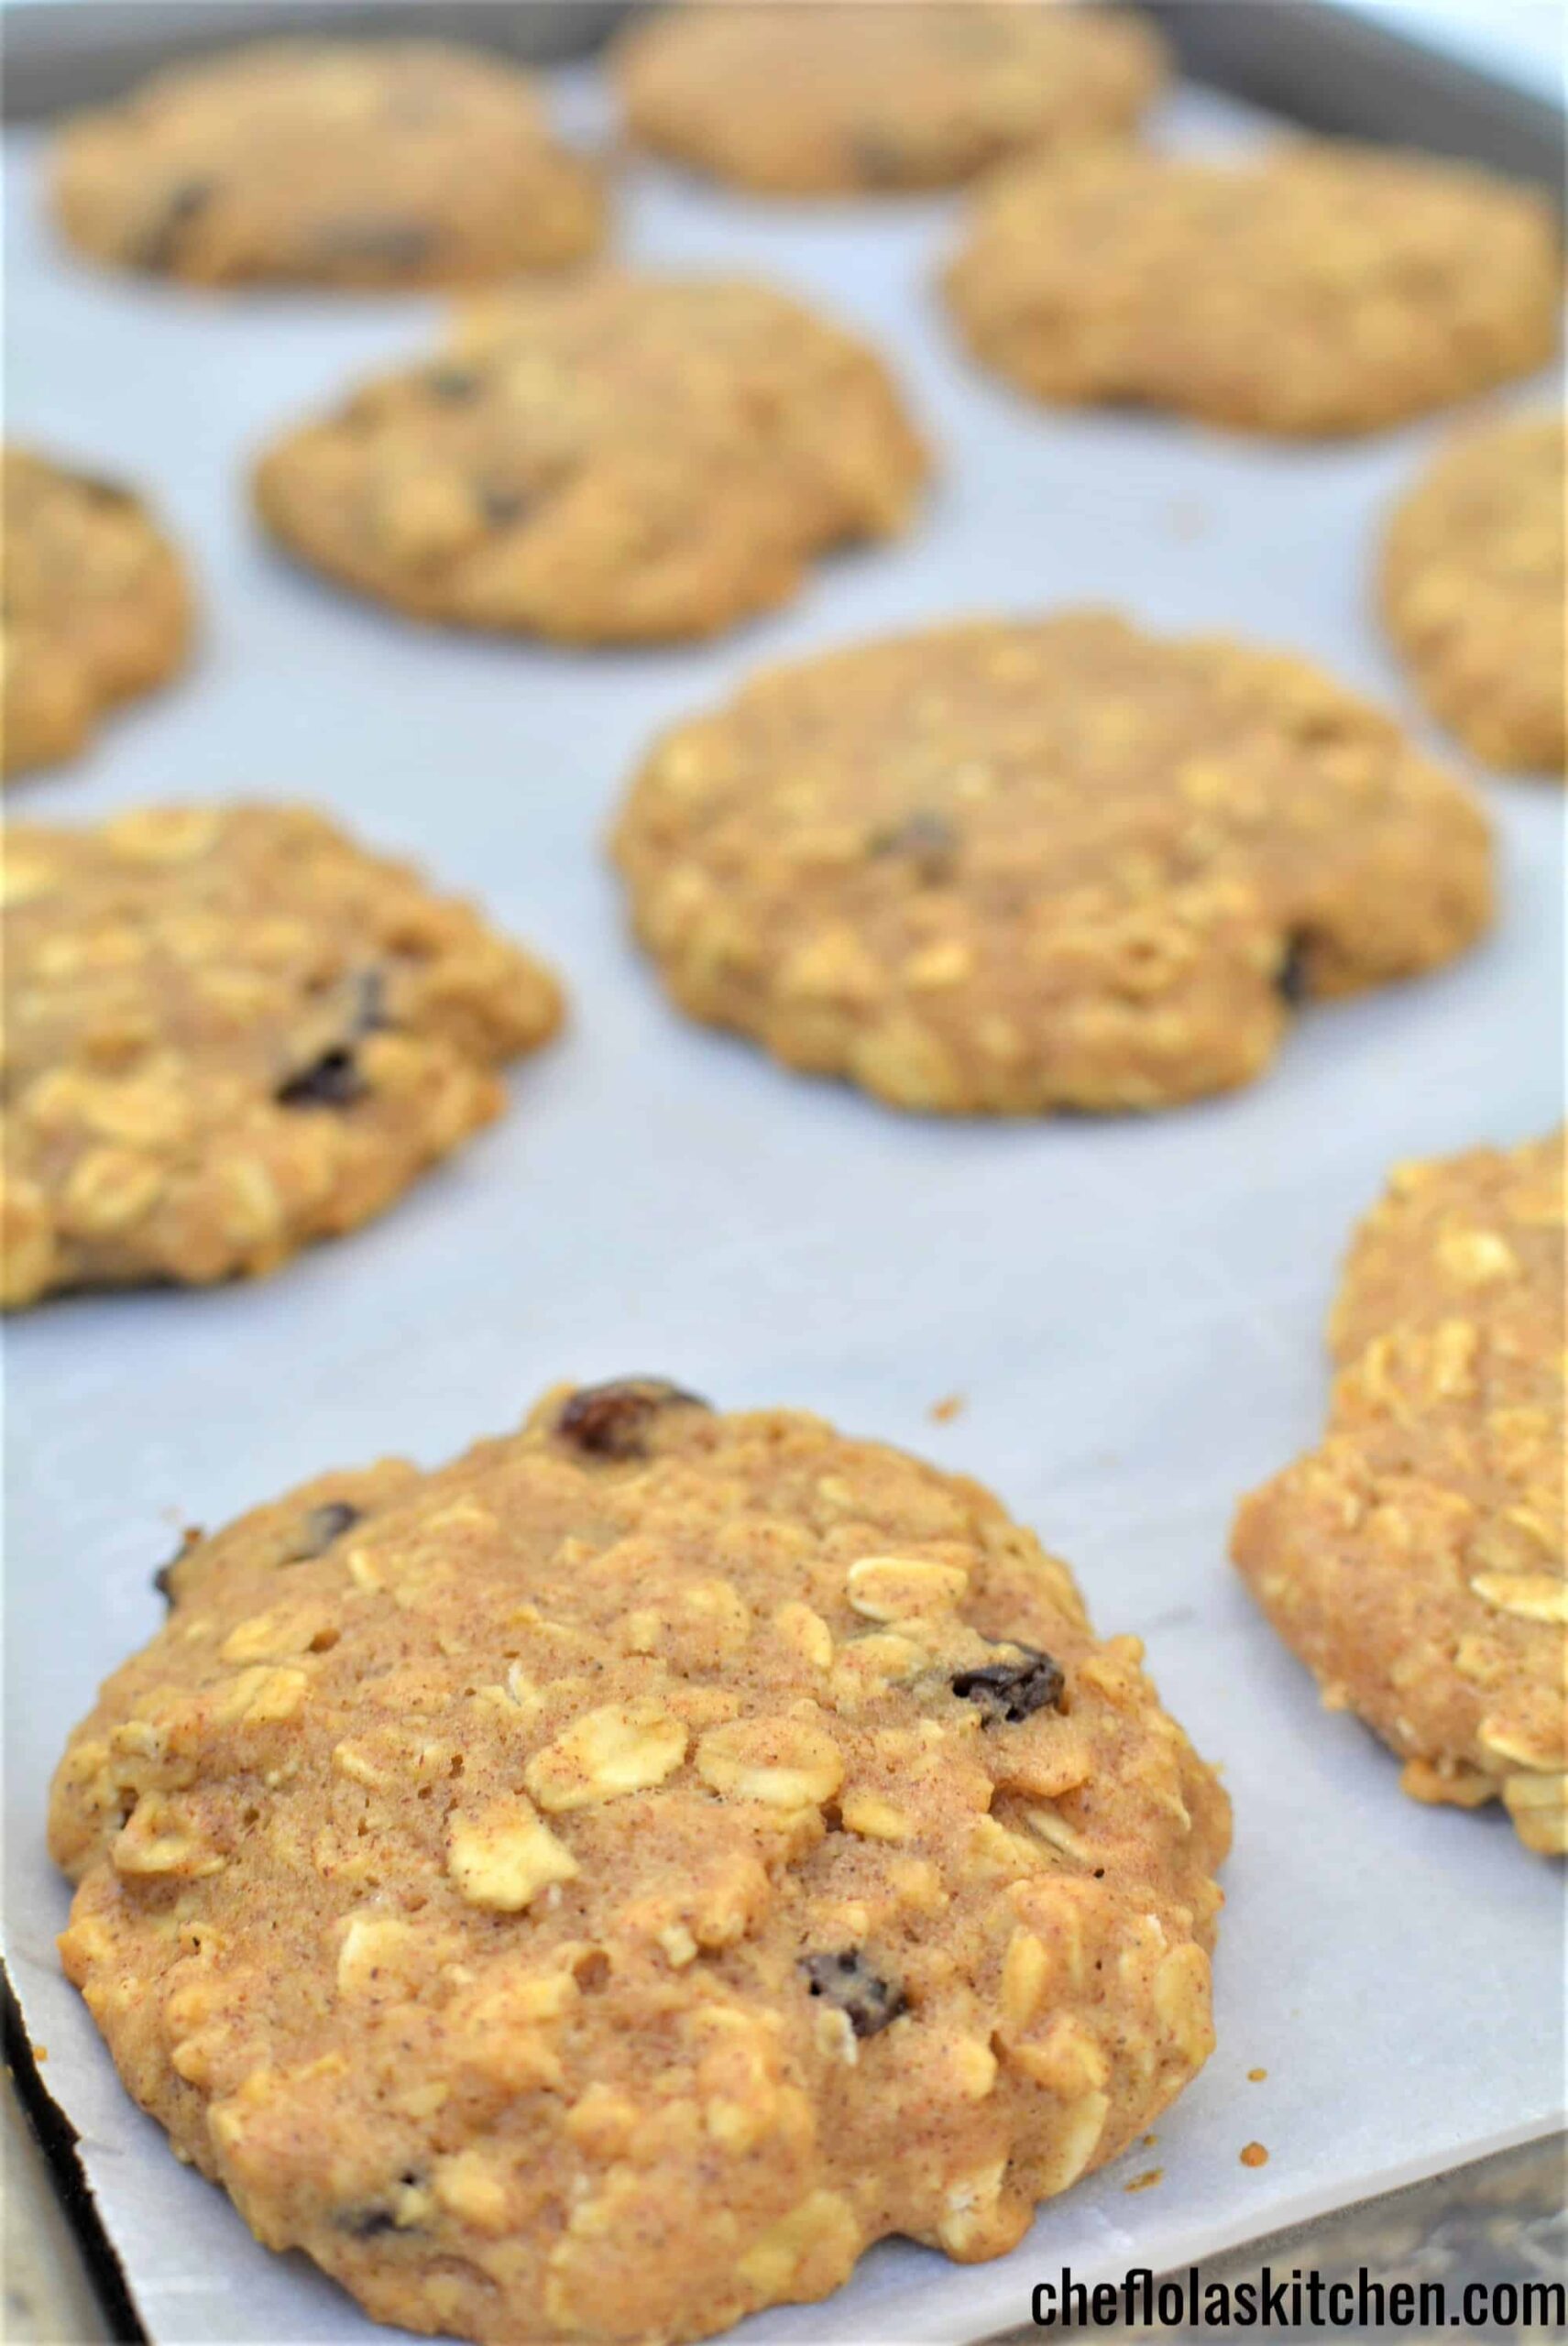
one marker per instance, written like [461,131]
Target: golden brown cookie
[619,459]
[1475,591]
[345,163]
[228,1031]
[595,1889]
[861,95]
[1008,868]
[96,608]
[1415,1559]
[1320,288]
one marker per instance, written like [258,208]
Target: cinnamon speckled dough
[595,1889]
[343,163]
[1474,590]
[229,1031]
[616,459]
[96,608]
[851,97]
[1415,1559]
[1051,864]
[1318,289]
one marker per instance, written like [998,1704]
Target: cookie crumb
[1256,2077]
[943,1412]
[1146,2181]
[1255,2155]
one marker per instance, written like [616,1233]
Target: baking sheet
[1132,1309]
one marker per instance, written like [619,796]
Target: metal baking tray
[1132,1309]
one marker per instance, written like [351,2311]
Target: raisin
[367,2223]
[928,840]
[112,496]
[378,2216]
[851,1987]
[609,1420]
[391,245]
[1010,1690]
[1290,977]
[453,383]
[161,241]
[501,505]
[334,1077]
[879,161]
[321,1526]
[163,1578]
[333,1081]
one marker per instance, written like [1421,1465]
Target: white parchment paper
[1132,1309]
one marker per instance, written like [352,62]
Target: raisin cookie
[1320,288]
[229,1031]
[1415,1559]
[595,1889]
[622,459]
[343,163]
[95,605]
[823,100]
[1474,585]
[1011,868]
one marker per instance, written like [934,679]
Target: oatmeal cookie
[855,97]
[1415,1559]
[595,1889]
[1006,867]
[1320,288]
[229,1031]
[621,459]
[1474,590]
[96,604]
[345,163]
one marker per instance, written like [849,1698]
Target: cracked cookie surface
[1322,289]
[856,98]
[350,164]
[596,1889]
[1415,1559]
[1473,585]
[96,608]
[1008,868]
[615,460]
[229,1031]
